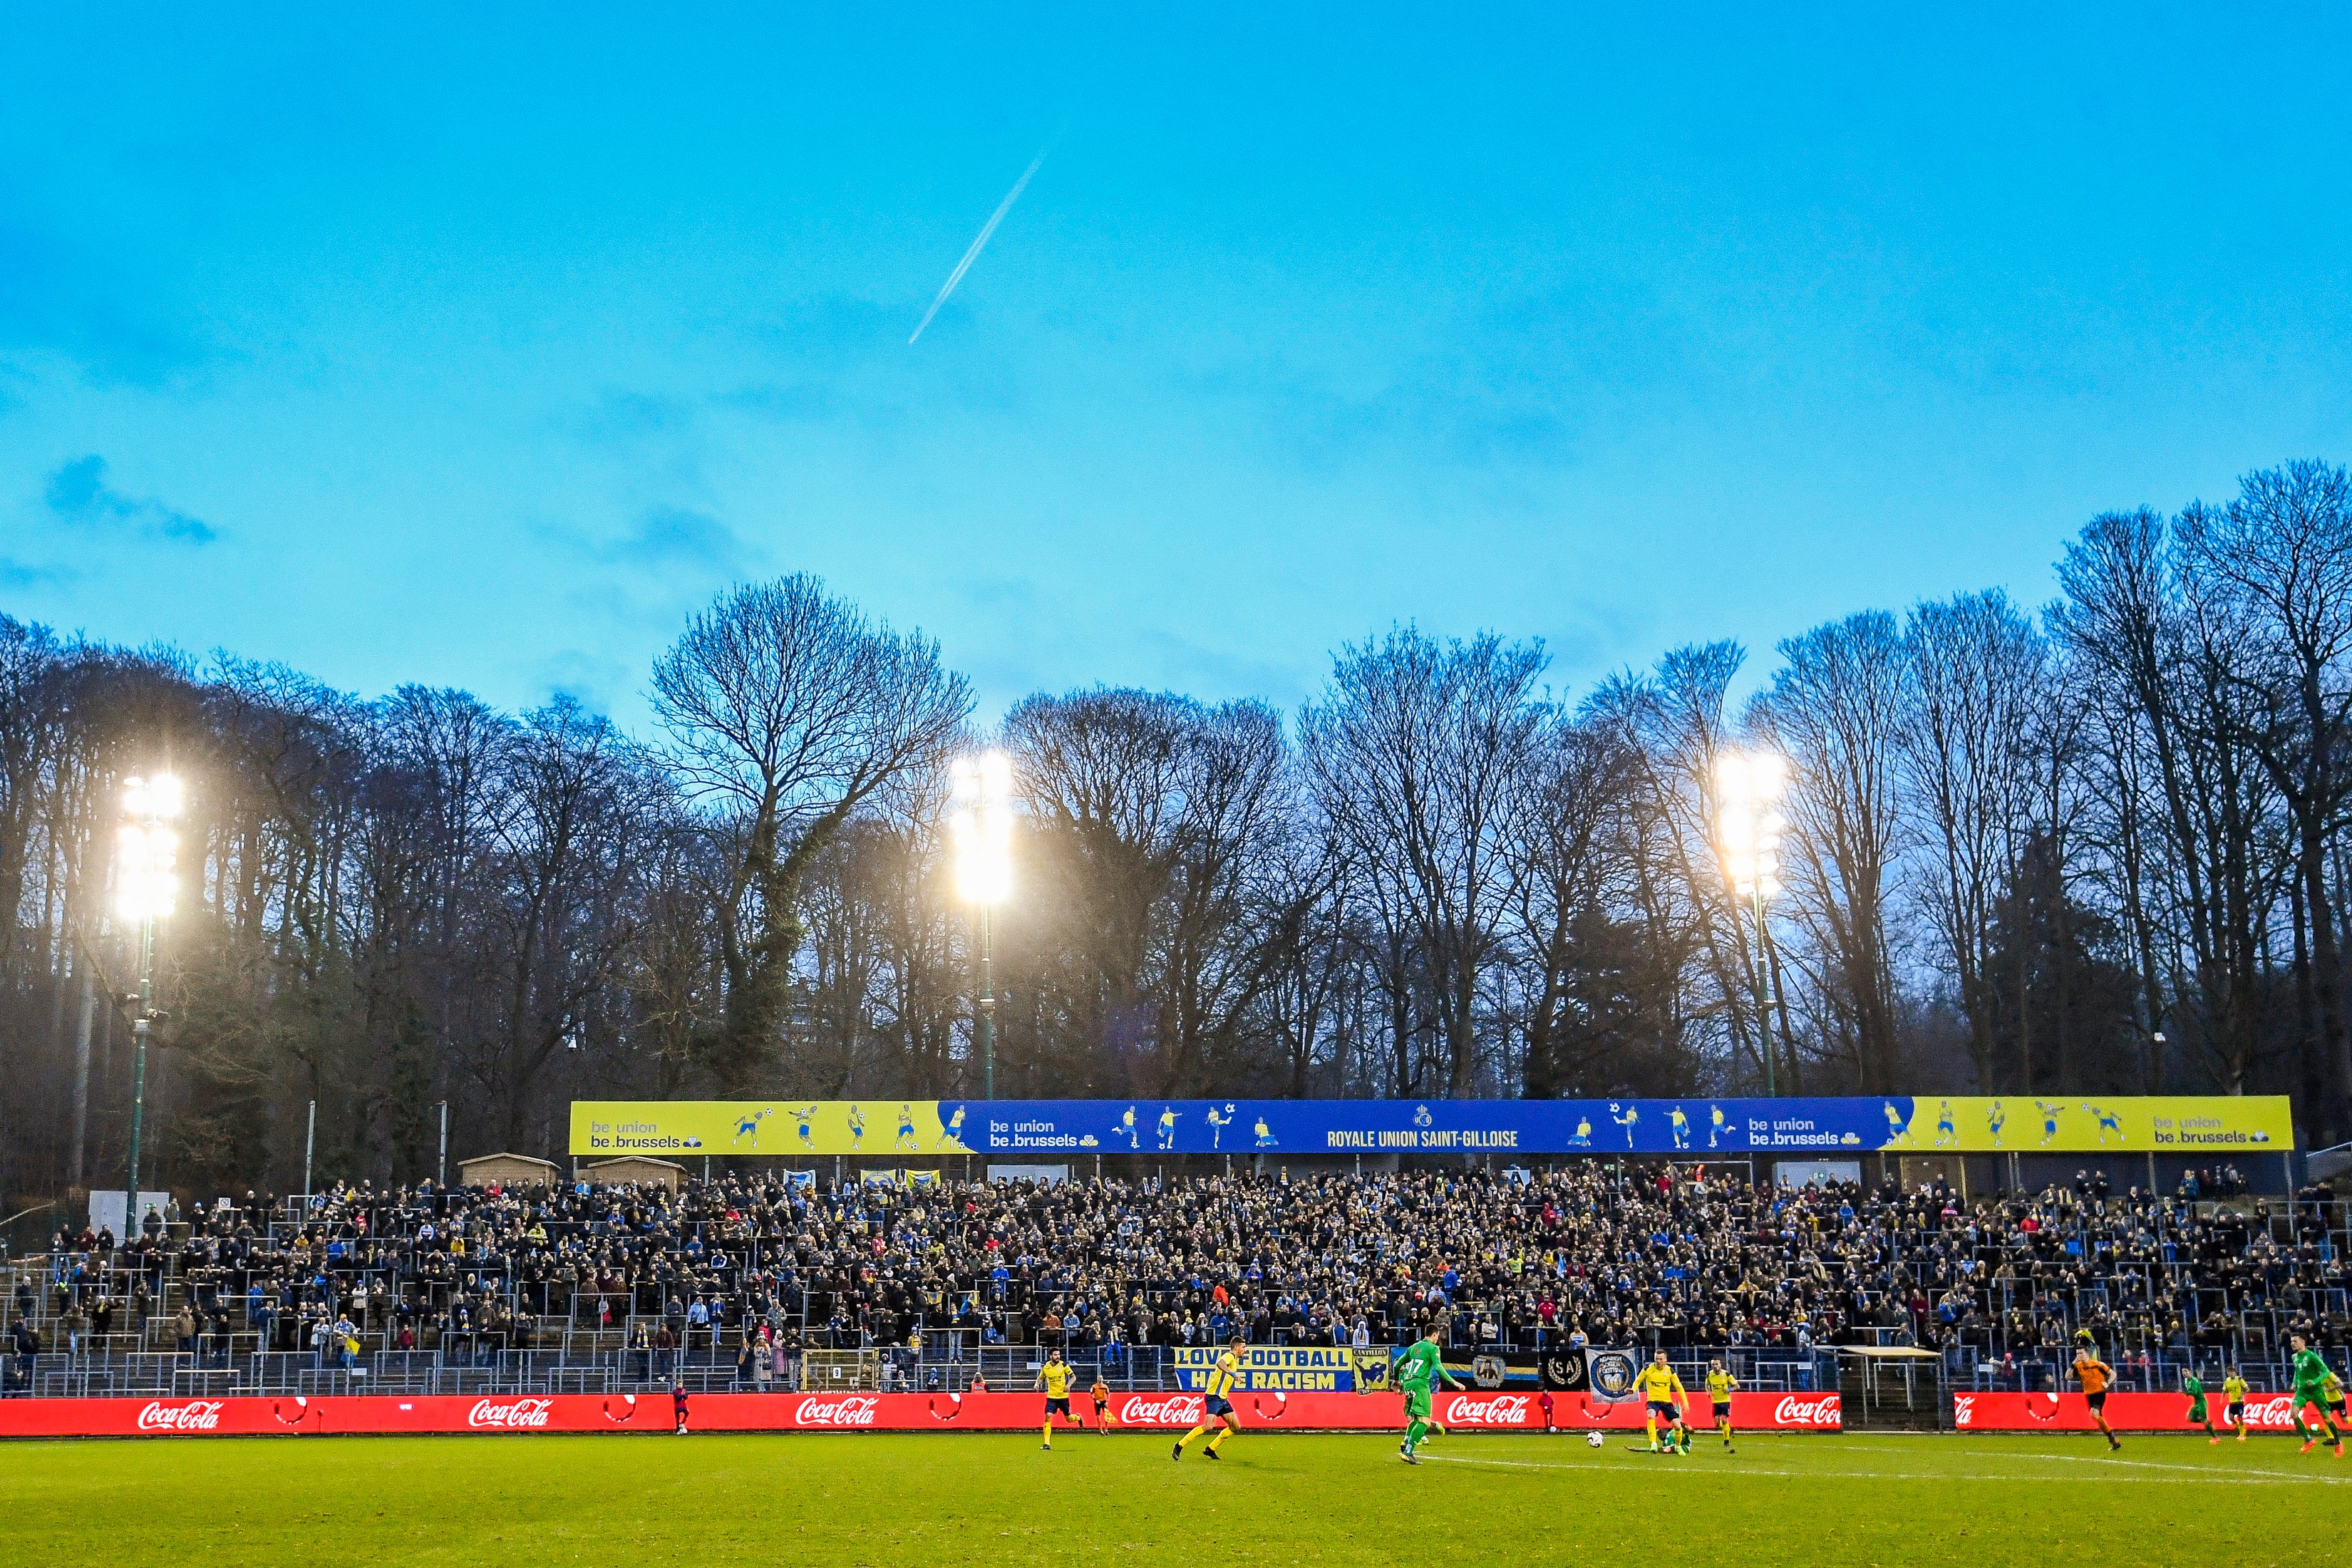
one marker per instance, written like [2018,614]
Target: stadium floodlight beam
[982,824]
[146,886]
[1749,825]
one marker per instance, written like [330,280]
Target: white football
[1593,1439]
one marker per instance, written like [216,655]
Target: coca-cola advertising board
[1460,1412]
[2125,1412]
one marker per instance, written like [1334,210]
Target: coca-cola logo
[1176,1410]
[521,1414]
[1964,1409]
[197,1416]
[1822,1412]
[1489,1410]
[2278,1410]
[822,1410]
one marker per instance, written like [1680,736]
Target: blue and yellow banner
[1692,1127]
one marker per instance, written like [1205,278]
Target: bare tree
[789,709]
[1977,673]
[1835,708]
[1415,751]
[2277,561]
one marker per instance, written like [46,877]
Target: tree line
[2097,848]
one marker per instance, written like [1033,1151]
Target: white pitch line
[2258,1478]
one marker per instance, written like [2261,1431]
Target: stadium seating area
[743,1276]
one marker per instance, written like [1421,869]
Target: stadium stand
[755,1281]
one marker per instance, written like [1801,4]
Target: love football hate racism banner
[1692,1128]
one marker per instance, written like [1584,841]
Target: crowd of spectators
[763,1266]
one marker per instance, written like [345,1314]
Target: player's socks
[1652,1424]
[1186,1441]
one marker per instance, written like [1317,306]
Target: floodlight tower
[146,885]
[981,823]
[1749,825]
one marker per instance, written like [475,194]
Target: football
[1592,1439]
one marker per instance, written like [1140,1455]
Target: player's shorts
[2336,1409]
[1102,1406]
[1062,1405]
[2235,1414]
[1217,1404]
[1416,1403]
[1664,1409]
[2306,1395]
[2096,1400]
[2197,1411]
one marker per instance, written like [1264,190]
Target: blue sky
[480,352]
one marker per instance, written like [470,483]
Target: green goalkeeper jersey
[2310,1370]
[1418,1365]
[2192,1385]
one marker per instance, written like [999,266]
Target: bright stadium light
[1747,830]
[981,824]
[146,887]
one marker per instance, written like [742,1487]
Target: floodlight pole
[1763,1000]
[987,1020]
[139,1027]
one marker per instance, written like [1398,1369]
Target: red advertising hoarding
[2125,1413]
[379,1414]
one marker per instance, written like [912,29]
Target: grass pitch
[939,1500]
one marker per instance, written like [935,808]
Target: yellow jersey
[1057,1380]
[1719,1385]
[1658,1384]
[1221,1376]
[2233,1389]
[2331,1387]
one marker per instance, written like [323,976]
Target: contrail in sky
[978,244]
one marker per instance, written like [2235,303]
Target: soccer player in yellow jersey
[1216,1402]
[1055,1380]
[1664,1393]
[2233,1396]
[1720,1386]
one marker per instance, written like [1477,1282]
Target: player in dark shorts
[677,1404]
[2095,1375]
[1055,1380]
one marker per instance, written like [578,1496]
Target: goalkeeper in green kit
[2194,1386]
[2312,1376]
[1415,1372]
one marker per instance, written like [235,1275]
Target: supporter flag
[1563,1371]
[1609,1375]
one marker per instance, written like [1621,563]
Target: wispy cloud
[675,536]
[78,492]
[980,243]
[17,575]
